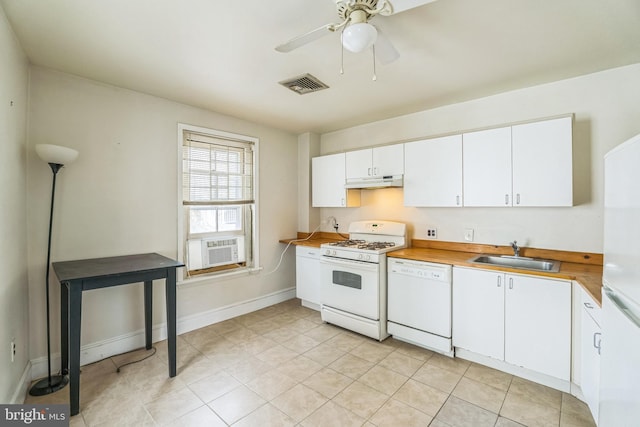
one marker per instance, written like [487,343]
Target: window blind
[216,171]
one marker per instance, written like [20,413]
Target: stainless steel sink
[519,262]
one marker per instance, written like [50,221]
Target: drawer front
[308,251]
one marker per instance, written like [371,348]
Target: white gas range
[354,277]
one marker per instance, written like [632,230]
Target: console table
[84,275]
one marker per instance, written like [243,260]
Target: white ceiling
[220,55]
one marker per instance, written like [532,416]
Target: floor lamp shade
[56,154]
[57,157]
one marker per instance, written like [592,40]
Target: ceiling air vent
[305,83]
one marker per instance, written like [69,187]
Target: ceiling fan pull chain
[373,49]
[341,53]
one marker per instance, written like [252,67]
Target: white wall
[606,112]
[308,147]
[120,197]
[14,320]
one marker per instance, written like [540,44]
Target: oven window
[344,278]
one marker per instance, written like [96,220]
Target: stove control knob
[333,253]
[368,257]
[360,256]
[327,252]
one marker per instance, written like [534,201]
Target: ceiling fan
[357,33]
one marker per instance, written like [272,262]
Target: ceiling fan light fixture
[359,36]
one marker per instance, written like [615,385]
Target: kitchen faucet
[516,248]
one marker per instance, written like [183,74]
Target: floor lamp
[57,157]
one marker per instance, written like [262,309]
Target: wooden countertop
[315,241]
[589,276]
[585,269]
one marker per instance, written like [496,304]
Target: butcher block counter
[315,241]
[584,268]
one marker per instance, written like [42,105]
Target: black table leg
[171,319]
[148,316]
[64,328]
[75,312]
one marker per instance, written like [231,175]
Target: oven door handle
[368,266]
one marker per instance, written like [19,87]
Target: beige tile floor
[282,366]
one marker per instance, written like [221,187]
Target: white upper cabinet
[487,167]
[327,183]
[433,172]
[359,163]
[388,160]
[542,163]
[521,165]
[375,162]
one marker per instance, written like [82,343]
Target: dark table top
[111,266]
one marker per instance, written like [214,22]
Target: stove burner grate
[348,243]
[363,244]
[372,246]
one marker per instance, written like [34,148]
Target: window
[218,205]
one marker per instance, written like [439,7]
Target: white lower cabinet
[308,276]
[478,311]
[522,320]
[590,353]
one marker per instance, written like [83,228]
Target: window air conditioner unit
[216,251]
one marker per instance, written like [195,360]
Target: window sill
[218,276]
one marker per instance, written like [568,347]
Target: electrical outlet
[468,234]
[432,233]
[13,350]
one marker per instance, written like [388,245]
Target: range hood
[371,183]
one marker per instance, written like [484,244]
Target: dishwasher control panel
[423,270]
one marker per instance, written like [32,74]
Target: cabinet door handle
[518,199]
[588,305]
[342,201]
[510,282]
[368,171]
[458,200]
[499,281]
[506,199]
[597,335]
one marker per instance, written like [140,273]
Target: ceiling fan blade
[386,53]
[305,38]
[402,5]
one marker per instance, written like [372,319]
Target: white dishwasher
[419,303]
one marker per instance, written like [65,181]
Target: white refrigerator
[620,357]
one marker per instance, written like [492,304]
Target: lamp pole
[55,156]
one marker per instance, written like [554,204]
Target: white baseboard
[200,320]
[23,385]
[96,351]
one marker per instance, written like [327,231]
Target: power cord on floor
[136,361]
